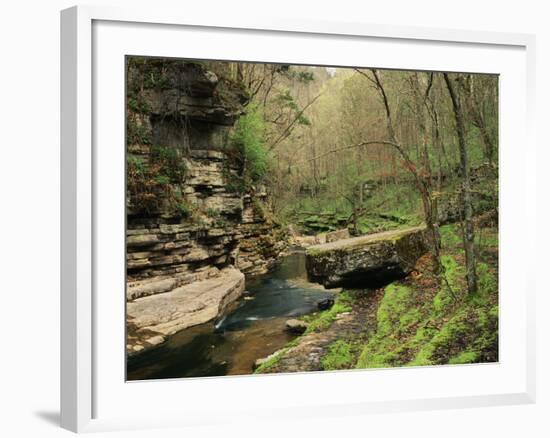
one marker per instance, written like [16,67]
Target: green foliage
[248,140]
[156,181]
[171,162]
[212,212]
[258,207]
[285,100]
[137,133]
[450,238]
[162,179]
[142,186]
[136,163]
[138,104]
[147,73]
[183,208]
[295,73]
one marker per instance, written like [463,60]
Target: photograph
[286,218]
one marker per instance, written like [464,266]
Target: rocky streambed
[263,330]
[254,328]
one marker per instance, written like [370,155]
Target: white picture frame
[92,395]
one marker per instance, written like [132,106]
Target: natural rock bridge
[366,261]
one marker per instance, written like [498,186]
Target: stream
[254,329]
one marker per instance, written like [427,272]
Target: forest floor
[419,320]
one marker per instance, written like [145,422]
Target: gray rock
[156,340]
[296,326]
[325,304]
[333,236]
[186,306]
[366,261]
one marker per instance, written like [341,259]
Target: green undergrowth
[421,320]
[340,355]
[433,323]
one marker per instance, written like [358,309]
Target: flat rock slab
[186,306]
[366,261]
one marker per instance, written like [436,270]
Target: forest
[347,215]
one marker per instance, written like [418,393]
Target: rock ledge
[366,261]
[186,306]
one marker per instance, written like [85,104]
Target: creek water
[254,328]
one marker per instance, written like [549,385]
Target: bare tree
[476,93]
[468,237]
[421,174]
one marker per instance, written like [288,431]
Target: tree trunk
[468,235]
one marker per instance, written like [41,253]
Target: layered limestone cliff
[189,221]
[262,239]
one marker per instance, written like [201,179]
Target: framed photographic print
[254,207]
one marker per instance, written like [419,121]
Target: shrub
[183,209]
[171,163]
[248,140]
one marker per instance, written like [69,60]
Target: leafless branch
[288,129]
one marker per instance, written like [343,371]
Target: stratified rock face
[188,224]
[182,216]
[366,261]
[262,240]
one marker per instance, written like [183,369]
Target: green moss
[453,327]
[486,280]
[378,353]
[398,314]
[451,274]
[323,320]
[464,357]
[470,335]
[393,307]
[341,354]
[454,330]
[275,358]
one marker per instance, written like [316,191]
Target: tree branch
[288,129]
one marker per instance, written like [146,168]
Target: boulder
[325,304]
[366,261]
[296,326]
